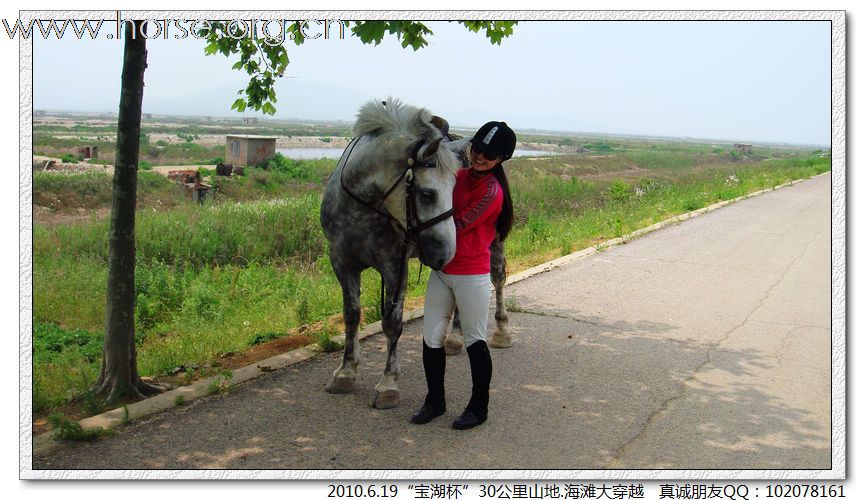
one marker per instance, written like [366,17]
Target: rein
[413,226]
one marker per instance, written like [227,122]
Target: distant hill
[297,99]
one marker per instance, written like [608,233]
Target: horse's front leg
[498,275]
[386,391]
[344,376]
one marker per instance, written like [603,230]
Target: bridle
[413,225]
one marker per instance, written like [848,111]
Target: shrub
[692,204]
[599,147]
[295,169]
[66,430]
[261,338]
[619,190]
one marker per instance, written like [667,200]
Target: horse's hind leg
[454,341]
[498,275]
[344,376]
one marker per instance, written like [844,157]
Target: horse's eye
[429,195]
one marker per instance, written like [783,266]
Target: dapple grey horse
[389,198]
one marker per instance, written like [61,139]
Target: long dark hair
[506,218]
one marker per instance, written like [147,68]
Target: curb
[45,442]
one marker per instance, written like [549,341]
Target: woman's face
[482,163]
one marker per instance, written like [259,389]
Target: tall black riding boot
[434,368]
[482,371]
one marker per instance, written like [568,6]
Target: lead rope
[403,266]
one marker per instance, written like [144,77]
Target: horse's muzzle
[438,264]
[435,254]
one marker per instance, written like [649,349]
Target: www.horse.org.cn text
[270,31]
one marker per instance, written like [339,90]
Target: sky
[751,81]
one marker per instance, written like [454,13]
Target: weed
[67,430]
[327,344]
[303,310]
[50,340]
[511,305]
[179,400]
[221,382]
[616,226]
[728,194]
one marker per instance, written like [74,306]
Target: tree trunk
[118,378]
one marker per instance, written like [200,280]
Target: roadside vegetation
[251,265]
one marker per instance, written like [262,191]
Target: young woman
[482,203]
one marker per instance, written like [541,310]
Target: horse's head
[413,173]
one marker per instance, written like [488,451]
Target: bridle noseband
[413,226]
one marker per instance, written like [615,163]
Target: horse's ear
[441,124]
[428,150]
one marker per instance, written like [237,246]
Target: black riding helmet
[495,138]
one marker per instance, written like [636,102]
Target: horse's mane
[396,117]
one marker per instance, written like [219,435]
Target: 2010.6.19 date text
[362,491]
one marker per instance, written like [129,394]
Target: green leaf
[239,105]
[370,31]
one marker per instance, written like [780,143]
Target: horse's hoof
[500,341]
[453,346]
[385,399]
[340,385]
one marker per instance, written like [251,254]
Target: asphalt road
[704,345]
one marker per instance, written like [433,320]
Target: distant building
[147,116]
[743,148]
[39,112]
[247,150]
[89,152]
[249,120]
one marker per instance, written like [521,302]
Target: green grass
[222,277]
[618,208]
